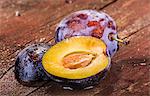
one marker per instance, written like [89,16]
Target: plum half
[89,23]
[77,62]
[28,66]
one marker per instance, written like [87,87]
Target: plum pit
[78,60]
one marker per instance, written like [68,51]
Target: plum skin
[77,24]
[77,84]
[28,66]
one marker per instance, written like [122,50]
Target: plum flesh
[89,23]
[28,66]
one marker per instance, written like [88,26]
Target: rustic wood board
[129,75]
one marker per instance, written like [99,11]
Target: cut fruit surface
[76,58]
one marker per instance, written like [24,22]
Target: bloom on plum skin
[88,23]
[28,66]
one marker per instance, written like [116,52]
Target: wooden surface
[129,74]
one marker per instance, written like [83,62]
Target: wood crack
[108,4]
[6,71]
[36,89]
[136,31]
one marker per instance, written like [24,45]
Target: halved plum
[89,23]
[28,66]
[77,62]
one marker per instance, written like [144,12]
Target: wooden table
[129,74]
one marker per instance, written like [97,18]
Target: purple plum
[89,23]
[28,66]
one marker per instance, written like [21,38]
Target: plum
[28,66]
[78,62]
[89,23]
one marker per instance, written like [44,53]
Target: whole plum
[89,23]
